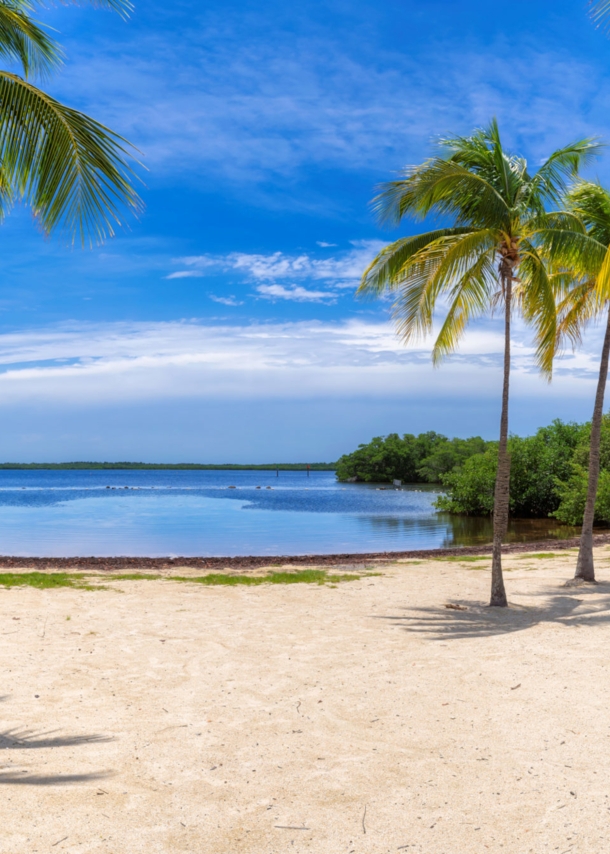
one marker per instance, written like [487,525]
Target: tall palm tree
[585,295]
[485,258]
[72,170]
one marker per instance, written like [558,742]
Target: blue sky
[222,325]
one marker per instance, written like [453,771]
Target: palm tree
[72,170]
[586,252]
[487,257]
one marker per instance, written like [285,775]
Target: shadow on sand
[23,739]
[479,620]
[22,778]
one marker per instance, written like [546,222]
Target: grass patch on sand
[303,576]
[538,555]
[49,580]
[44,580]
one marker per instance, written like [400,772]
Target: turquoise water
[191,513]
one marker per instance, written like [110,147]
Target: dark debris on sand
[111,564]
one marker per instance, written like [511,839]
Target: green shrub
[540,465]
[573,490]
[412,459]
[470,488]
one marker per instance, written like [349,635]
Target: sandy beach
[367,717]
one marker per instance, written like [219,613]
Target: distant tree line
[549,470]
[412,459]
[172,466]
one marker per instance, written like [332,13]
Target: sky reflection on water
[154,513]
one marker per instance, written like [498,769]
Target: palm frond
[384,271]
[72,170]
[560,219]
[23,40]
[602,281]
[437,268]
[573,250]
[123,7]
[469,299]
[552,178]
[590,202]
[600,12]
[537,296]
[459,256]
[443,187]
[575,311]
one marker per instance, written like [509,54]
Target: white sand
[226,716]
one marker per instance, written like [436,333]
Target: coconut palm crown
[488,257]
[72,170]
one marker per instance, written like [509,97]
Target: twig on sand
[289,827]
[58,841]
[363,820]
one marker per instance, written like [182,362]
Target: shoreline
[253,561]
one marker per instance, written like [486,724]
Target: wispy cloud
[185,274]
[226,300]
[256,109]
[95,365]
[295,293]
[278,270]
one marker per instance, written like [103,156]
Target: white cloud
[96,365]
[342,270]
[295,293]
[185,274]
[324,245]
[226,300]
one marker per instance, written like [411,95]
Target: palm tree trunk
[502,495]
[585,569]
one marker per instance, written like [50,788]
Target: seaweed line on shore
[253,561]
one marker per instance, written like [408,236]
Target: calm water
[69,513]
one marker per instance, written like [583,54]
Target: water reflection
[229,513]
[452,531]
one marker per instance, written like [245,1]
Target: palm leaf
[572,250]
[443,186]
[551,180]
[71,169]
[575,311]
[23,40]
[536,294]
[590,202]
[123,7]
[437,268]
[469,299]
[385,270]
[600,12]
